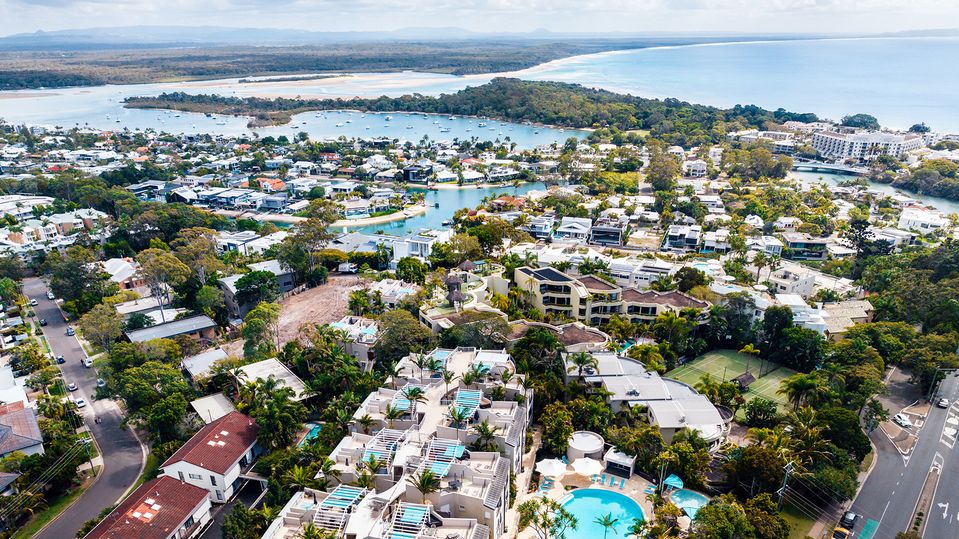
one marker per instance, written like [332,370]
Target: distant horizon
[606,17]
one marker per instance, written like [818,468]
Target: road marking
[945,509]
[884,511]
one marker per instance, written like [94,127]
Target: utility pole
[788,468]
[935,380]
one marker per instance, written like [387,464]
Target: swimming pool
[688,500]
[586,504]
[313,433]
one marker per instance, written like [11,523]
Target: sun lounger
[622,483]
[602,480]
[612,480]
[593,478]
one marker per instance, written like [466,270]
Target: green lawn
[727,364]
[800,523]
[44,517]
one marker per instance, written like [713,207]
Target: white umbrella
[684,522]
[587,466]
[551,467]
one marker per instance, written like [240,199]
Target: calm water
[449,201]
[900,81]
[944,205]
[102,107]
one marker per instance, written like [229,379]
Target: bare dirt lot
[320,305]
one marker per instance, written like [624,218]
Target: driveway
[122,453]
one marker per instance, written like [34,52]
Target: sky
[631,16]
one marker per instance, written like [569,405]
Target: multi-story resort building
[864,144]
[595,300]
[470,436]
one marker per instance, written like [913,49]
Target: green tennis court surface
[727,364]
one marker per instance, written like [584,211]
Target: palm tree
[415,395]
[373,464]
[328,469]
[426,482]
[299,477]
[420,360]
[310,531]
[666,457]
[638,528]
[393,413]
[486,436]
[468,378]
[460,417]
[448,378]
[708,386]
[392,371]
[581,361]
[797,387]
[607,522]
[366,422]
[760,260]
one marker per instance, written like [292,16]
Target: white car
[902,421]
[72,386]
[34,302]
[50,295]
[943,403]
[81,403]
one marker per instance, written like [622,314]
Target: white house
[216,456]
[921,219]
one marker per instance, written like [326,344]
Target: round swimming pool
[688,500]
[586,504]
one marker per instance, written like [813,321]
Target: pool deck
[634,489]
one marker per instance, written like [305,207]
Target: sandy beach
[412,211]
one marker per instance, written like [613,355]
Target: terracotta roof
[673,298]
[18,429]
[219,445]
[156,510]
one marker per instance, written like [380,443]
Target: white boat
[481,124]
[349,121]
[409,127]
[367,127]
[446,130]
[451,118]
[448,222]
[221,122]
[436,121]
[535,132]
[388,118]
[339,125]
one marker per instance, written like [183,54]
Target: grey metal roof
[171,329]
[494,493]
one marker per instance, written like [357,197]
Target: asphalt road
[890,494]
[121,451]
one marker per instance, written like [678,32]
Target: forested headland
[508,99]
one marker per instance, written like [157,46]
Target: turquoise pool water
[689,501]
[313,433]
[586,504]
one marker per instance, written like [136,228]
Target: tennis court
[727,364]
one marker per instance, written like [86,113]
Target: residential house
[216,456]
[716,241]
[163,508]
[199,327]
[573,229]
[236,310]
[608,231]
[921,220]
[802,246]
[19,430]
[683,238]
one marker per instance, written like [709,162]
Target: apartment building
[594,300]
[921,219]
[793,281]
[608,231]
[425,426]
[864,145]
[216,457]
[360,336]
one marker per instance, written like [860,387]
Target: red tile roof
[672,298]
[219,445]
[156,510]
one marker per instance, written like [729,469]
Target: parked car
[902,421]
[61,360]
[50,295]
[81,403]
[943,403]
[43,321]
[849,520]
[34,302]
[72,386]
[841,533]
[70,332]
[87,362]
